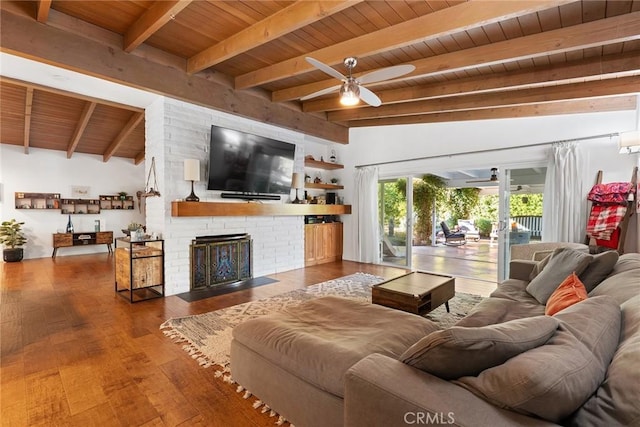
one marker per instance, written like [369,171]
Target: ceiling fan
[351,89]
[492,178]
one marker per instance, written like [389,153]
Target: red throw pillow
[570,291]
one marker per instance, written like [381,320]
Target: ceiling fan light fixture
[349,93]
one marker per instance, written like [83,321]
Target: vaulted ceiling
[473,60]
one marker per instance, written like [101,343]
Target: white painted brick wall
[176,131]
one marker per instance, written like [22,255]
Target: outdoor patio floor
[477,262]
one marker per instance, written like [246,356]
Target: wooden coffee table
[417,292]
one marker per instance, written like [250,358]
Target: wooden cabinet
[104,237]
[322,243]
[62,240]
[139,269]
[37,200]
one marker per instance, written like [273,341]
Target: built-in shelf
[324,186]
[311,163]
[254,209]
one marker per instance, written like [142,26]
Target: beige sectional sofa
[334,362]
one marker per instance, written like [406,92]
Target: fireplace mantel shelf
[254,209]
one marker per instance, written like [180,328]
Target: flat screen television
[249,164]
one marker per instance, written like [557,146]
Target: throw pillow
[568,293]
[598,269]
[555,379]
[458,351]
[563,262]
[539,267]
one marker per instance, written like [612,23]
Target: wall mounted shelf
[324,186]
[318,164]
[254,209]
[37,200]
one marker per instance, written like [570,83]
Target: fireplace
[220,260]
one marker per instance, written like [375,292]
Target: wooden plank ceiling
[474,60]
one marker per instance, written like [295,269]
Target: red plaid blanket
[604,219]
[614,192]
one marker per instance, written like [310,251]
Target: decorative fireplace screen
[220,260]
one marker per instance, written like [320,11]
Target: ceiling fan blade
[386,74]
[369,97]
[320,92]
[325,68]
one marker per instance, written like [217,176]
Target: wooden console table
[63,240]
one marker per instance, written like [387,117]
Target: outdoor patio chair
[452,239]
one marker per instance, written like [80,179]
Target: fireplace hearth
[219,260]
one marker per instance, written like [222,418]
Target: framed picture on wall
[80,191]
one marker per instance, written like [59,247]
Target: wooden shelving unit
[112,202]
[179,209]
[79,206]
[37,200]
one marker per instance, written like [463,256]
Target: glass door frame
[504,254]
[408,221]
[504,216]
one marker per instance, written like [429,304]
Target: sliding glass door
[395,212]
[520,211]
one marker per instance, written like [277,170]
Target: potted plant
[11,237]
[123,195]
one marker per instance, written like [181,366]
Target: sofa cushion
[515,290]
[598,269]
[459,351]
[563,262]
[498,310]
[570,292]
[616,401]
[626,262]
[554,380]
[622,286]
[318,340]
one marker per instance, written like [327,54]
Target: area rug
[207,336]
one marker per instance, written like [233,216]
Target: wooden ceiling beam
[28,104]
[285,21]
[598,88]
[87,111]
[597,67]
[594,105]
[42,13]
[443,22]
[595,33]
[151,21]
[24,37]
[139,158]
[135,119]
[74,95]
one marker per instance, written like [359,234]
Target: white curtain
[368,235]
[564,210]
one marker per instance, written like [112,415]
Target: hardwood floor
[74,353]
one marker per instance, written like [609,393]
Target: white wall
[176,131]
[402,143]
[49,171]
